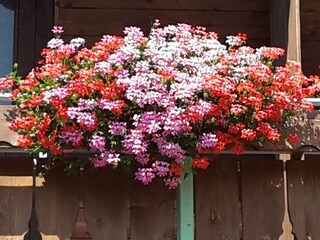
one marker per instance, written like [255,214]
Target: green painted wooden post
[186,205]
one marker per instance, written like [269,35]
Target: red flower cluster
[153,101]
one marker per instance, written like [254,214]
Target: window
[24,30]
[7,16]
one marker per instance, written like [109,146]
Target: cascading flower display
[149,102]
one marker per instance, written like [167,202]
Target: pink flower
[145,175]
[57,30]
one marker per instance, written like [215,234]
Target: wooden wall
[310,36]
[243,198]
[237,198]
[115,207]
[94,18]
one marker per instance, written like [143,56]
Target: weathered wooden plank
[310,56]
[105,198]
[310,25]
[57,204]
[310,33]
[311,53]
[294,35]
[15,202]
[152,212]
[304,197]
[219,5]
[310,6]
[263,197]
[310,19]
[311,70]
[138,17]
[217,200]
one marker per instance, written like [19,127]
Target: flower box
[148,103]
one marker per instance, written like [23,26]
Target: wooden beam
[294,36]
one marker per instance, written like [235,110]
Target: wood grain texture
[83,22]
[57,204]
[219,5]
[262,195]
[304,197]
[15,202]
[310,54]
[152,213]
[105,198]
[217,200]
[134,17]
[310,33]
[294,34]
[310,6]
[310,19]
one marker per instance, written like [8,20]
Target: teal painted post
[186,205]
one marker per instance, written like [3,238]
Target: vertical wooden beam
[294,37]
[286,224]
[186,204]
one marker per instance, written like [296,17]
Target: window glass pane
[6,40]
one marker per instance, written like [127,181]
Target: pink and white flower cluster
[149,102]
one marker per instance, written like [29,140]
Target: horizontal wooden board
[310,19]
[310,6]
[144,18]
[84,22]
[244,5]
[311,70]
[310,51]
[310,33]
